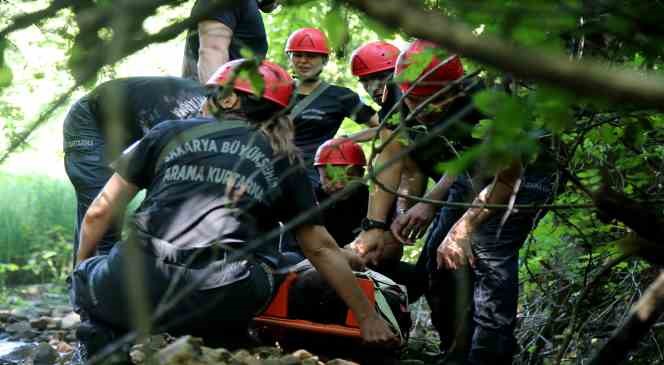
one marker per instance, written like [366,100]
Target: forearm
[209,60]
[413,183]
[214,38]
[107,207]
[441,187]
[380,200]
[328,259]
[498,192]
[96,222]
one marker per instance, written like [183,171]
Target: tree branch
[643,315]
[585,78]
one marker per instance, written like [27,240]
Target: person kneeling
[199,257]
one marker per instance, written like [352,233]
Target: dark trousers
[86,165]
[487,294]
[102,289]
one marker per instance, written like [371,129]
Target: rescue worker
[110,118]
[340,162]
[222,32]
[475,239]
[216,187]
[373,64]
[320,107]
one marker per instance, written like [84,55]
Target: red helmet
[451,70]
[310,40]
[373,57]
[277,83]
[340,151]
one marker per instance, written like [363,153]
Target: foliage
[36,229]
[598,144]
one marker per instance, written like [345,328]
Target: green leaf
[608,134]
[6,77]
[254,78]
[337,29]
[481,129]
[553,107]
[418,62]
[461,163]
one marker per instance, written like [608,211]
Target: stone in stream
[19,354]
[70,321]
[44,354]
[21,330]
[40,323]
[185,350]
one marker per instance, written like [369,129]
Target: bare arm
[369,244]
[326,256]
[455,250]
[215,39]
[107,206]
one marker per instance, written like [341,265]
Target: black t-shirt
[344,217]
[391,98]
[127,108]
[221,189]
[244,19]
[321,120]
[428,154]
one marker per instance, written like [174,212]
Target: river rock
[18,355]
[216,355]
[20,330]
[40,323]
[185,350]
[267,352]
[340,362]
[303,354]
[289,360]
[70,321]
[44,354]
[61,310]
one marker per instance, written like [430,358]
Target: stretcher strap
[385,309]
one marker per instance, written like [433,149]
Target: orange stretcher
[276,314]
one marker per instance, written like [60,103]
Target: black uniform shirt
[223,190]
[457,137]
[125,109]
[244,20]
[344,217]
[321,120]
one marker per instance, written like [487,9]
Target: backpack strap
[299,107]
[196,132]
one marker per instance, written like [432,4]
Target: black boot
[93,337]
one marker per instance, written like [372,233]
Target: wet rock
[70,321]
[216,355]
[303,354]
[44,312]
[268,352]
[244,357]
[70,336]
[185,350]
[21,330]
[44,354]
[40,323]
[8,316]
[61,310]
[340,362]
[137,356]
[289,360]
[18,355]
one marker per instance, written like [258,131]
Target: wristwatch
[368,224]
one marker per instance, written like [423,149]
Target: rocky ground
[37,326]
